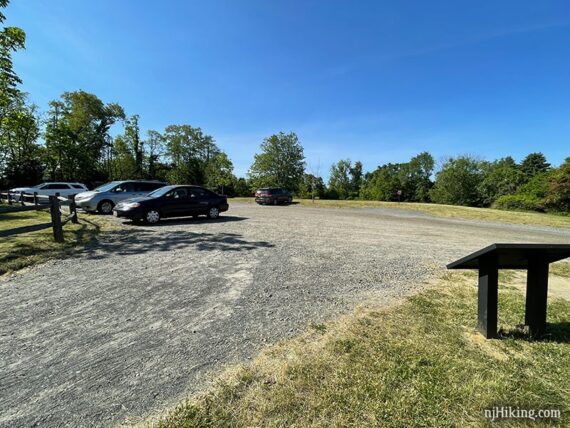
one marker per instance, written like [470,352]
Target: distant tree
[20,155]
[133,140]
[340,182]
[501,177]
[281,162]
[219,172]
[189,151]
[559,188]
[383,183]
[155,149]
[533,164]
[418,177]
[458,181]
[311,186]
[241,187]
[356,178]
[77,132]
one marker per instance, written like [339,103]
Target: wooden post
[22,199]
[488,296]
[56,219]
[36,199]
[9,198]
[73,209]
[536,296]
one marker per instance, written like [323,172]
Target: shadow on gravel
[127,242]
[189,220]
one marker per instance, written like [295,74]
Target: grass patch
[448,211]
[560,269]
[20,251]
[421,363]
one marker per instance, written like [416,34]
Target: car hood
[136,199]
[24,189]
[85,195]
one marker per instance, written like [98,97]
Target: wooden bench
[535,258]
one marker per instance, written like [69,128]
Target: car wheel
[214,212]
[152,216]
[290,200]
[105,207]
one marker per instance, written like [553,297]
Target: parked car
[103,198]
[173,201]
[50,189]
[273,195]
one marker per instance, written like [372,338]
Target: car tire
[213,212]
[290,201]
[152,217]
[105,207]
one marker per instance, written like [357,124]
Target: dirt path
[133,325]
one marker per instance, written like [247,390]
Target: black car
[273,195]
[172,201]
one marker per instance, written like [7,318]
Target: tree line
[72,141]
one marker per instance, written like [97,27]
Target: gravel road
[134,323]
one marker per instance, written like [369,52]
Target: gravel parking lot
[134,324]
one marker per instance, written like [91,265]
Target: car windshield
[160,192]
[105,187]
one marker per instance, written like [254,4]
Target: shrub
[519,202]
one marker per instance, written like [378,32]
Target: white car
[50,189]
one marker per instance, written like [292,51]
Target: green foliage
[189,151]
[411,178]
[219,172]
[281,162]
[558,196]
[311,186]
[12,39]
[458,181]
[240,187]
[525,202]
[501,177]
[533,164]
[20,155]
[77,135]
[341,180]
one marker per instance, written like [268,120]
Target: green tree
[384,183]
[418,177]
[241,187]
[457,182]
[311,186]
[501,177]
[189,151]
[155,150]
[12,39]
[77,133]
[340,179]
[281,162]
[559,188]
[533,164]
[219,172]
[20,155]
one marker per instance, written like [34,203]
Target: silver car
[105,197]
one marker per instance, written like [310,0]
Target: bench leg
[488,294]
[536,296]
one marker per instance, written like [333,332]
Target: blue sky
[375,81]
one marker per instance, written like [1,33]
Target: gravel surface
[132,325]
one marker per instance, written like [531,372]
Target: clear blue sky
[376,81]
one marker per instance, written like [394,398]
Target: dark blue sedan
[172,201]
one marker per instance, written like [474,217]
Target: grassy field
[450,211]
[20,251]
[420,363]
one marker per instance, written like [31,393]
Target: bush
[519,202]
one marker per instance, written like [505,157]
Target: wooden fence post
[9,198]
[73,209]
[56,218]
[22,199]
[36,199]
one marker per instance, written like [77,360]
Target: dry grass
[20,251]
[449,211]
[421,363]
